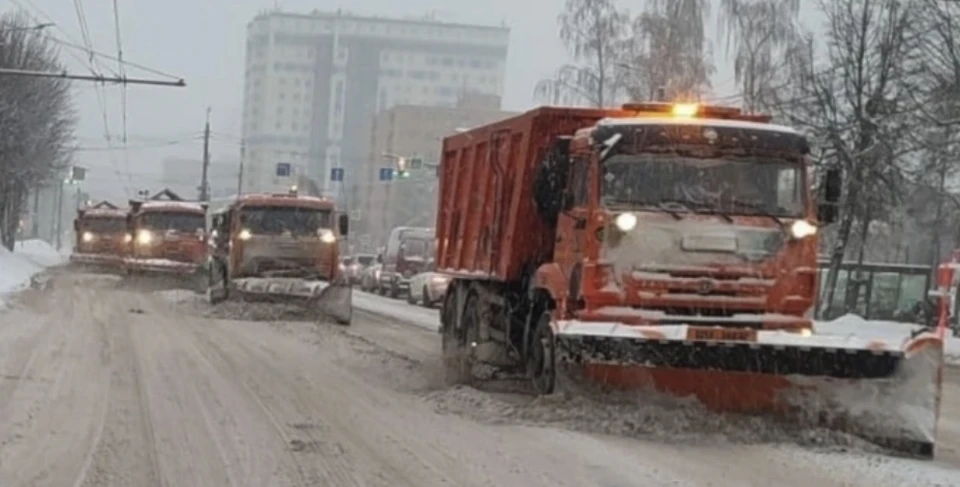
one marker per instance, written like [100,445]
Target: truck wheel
[456,344]
[410,299]
[394,291]
[425,298]
[541,358]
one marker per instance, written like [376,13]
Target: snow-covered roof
[105,213]
[710,122]
[172,205]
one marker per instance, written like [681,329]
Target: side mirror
[379,258]
[76,226]
[827,213]
[129,221]
[828,209]
[832,185]
[343,224]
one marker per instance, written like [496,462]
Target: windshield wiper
[759,210]
[702,208]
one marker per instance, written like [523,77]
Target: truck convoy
[168,238]
[281,247]
[101,236]
[670,247]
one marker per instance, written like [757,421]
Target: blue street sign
[386,174]
[336,174]
[283,169]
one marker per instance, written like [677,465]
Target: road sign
[283,169]
[78,173]
[336,174]
[416,163]
[386,174]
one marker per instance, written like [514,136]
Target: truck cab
[168,235]
[101,236]
[680,214]
[277,235]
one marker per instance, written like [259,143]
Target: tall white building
[314,83]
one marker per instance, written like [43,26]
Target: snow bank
[885,330]
[29,257]
[394,308]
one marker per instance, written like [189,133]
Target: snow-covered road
[104,385]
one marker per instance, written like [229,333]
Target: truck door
[572,222]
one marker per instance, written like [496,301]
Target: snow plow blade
[884,392]
[323,299]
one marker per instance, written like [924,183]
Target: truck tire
[410,299]
[425,298]
[457,357]
[542,358]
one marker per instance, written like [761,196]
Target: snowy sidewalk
[28,258]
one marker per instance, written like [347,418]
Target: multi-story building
[410,132]
[314,83]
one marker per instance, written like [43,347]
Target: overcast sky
[202,41]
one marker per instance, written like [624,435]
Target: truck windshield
[104,225]
[737,186]
[276,220]
[165,221]
[414,249]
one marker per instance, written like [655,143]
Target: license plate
[721,334]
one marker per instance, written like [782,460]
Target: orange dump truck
[101,236]
[168,237]
[281,247]
[669,247]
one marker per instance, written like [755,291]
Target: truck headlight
[626,221]
[127,238]
[244,234]
[802,229]
[327,236]
[87,237]
[144,237]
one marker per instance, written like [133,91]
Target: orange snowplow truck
[101,236]
[663,246]
[168,237]
[281,247]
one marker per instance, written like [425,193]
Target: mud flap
[335,301]
[888,395]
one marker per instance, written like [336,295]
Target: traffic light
[402,174]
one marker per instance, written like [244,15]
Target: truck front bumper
[106,260]
[160,266]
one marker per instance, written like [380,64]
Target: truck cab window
[578,181]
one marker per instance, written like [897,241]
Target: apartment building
[314,83]
[411,131]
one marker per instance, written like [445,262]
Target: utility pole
[204,185]
[243,153]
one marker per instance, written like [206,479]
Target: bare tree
[854,107]
[760,33]
[36,119]
[593,32]
[668,51]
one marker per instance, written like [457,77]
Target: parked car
[370,279]
[428,288]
